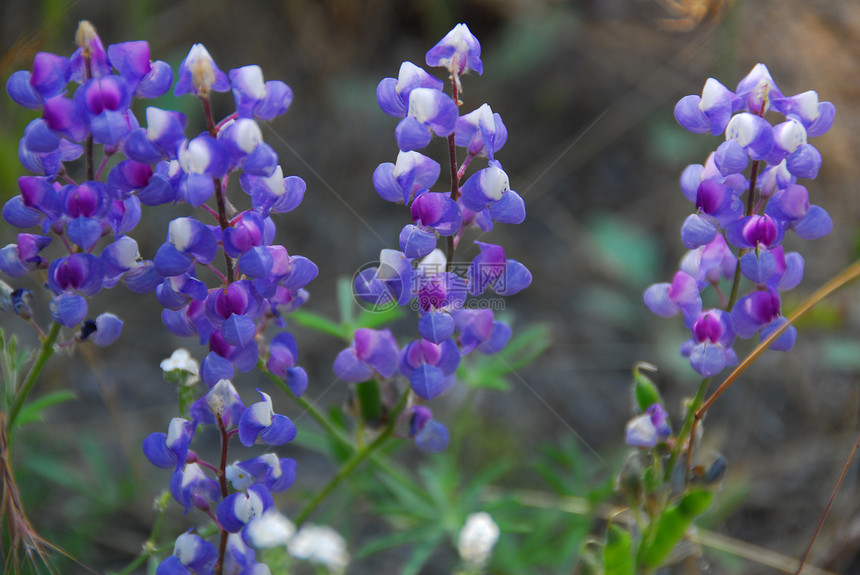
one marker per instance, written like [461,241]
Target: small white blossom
[322,545]
[182,360]
[477,538]
[270,529]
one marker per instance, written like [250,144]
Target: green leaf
[374,319]
[319,323]
[345,300]
[618,552]
[32,412]
[672,525]
[398,539]
[644,390]
[488,371]
[422,553]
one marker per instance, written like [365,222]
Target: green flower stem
[35,371]
[354,461]
[687,428]
[333,430]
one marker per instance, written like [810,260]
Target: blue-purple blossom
[259,422]
[23,257]
[283,354]
[170,449]
[710,348]
[275,474]
[430,367]
[191,555]
[392,94]
[430,112]
[221,403]
[459,51]
[372,353]
[429,435]
[199,74]
[648,429]
[236,510]
[191,487]
[411,175]
[481,132]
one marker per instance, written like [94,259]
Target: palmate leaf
[489,371]
[32,411]
[403,537]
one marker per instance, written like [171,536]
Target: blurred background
[586,89]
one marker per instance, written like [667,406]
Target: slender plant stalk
[353,462]
[333,430]
[688,429]
[35,371]
[837,282]
[827,507]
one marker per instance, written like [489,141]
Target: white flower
[322,545]
[270,529]
[477,538]
[181,361]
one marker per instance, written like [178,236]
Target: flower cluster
[245,512]
[85,103]
[775,204]
[419,272]
[84,100]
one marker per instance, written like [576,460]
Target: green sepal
[618,552]
[370,403]
[645,393]
[672,526]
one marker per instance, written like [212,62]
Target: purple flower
[430,112]
[102,331]
[259,422]
[222,403]
[170,449]
[190,486]
[392,94]
[429,435]
[410,176]
[479,330]
[191,555]
[816,117]
[264,100]
[188,241]
[283,354]
[430,367]
[199,74]
[710,112]
[164,132]
[236,510]
[491,269]
[490,189]
[201,159]
[458,52]
[756,91]
[386,284]
[710,348]
[648,429]
[481,132]
[371,353]
[23,257]
[275,474]
[682,295]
